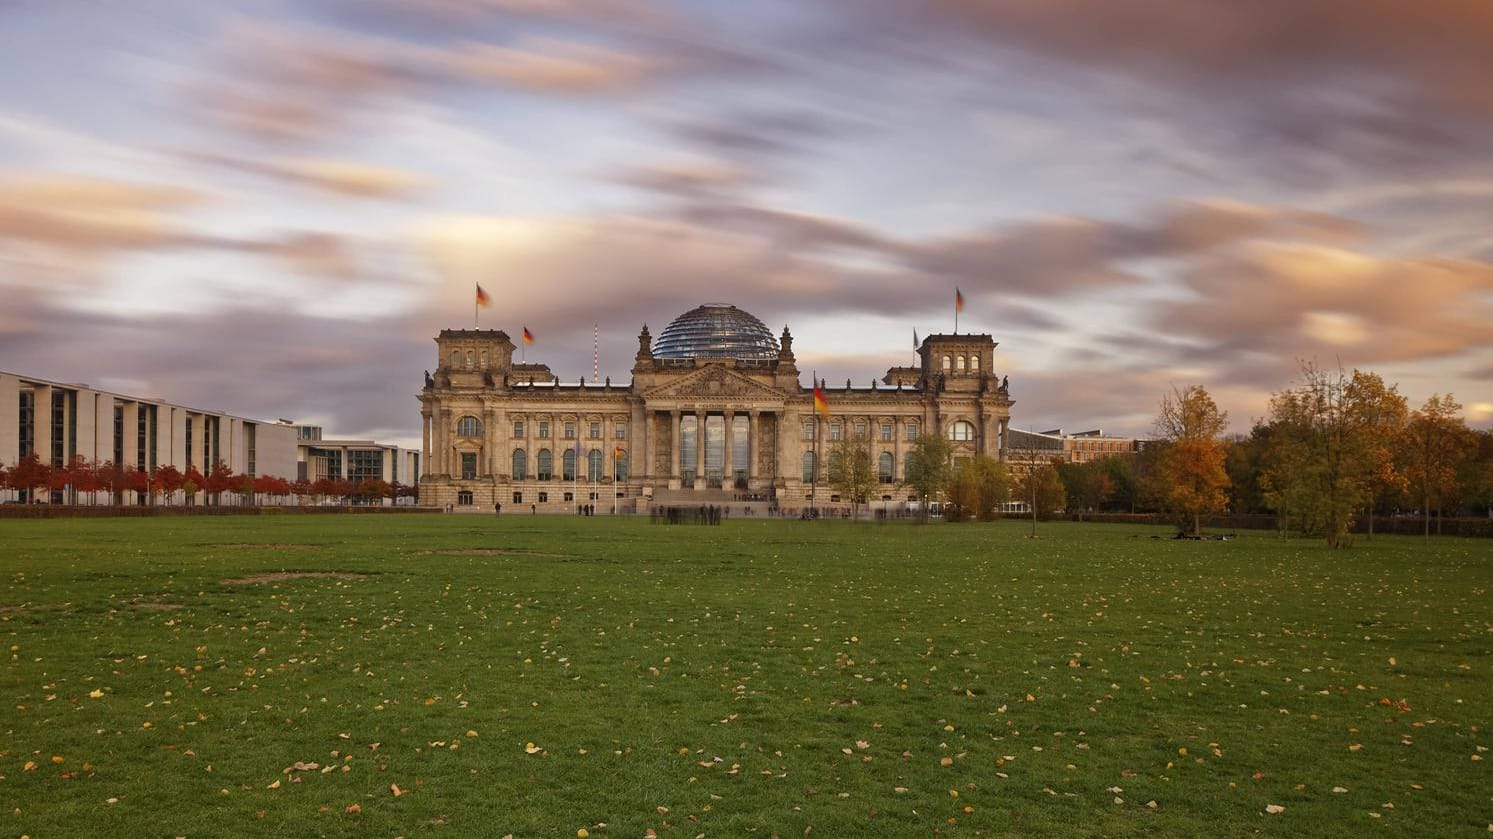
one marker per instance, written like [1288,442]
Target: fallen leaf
[394,788]
[353,808]
[1273,809]
[530,748]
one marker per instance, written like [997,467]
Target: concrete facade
[58,421]
[495,431]
[354,460]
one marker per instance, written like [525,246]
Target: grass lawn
[543,676]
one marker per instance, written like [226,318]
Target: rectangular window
[518,429]
[368,464]
[912,433]
[620,431]
[569,496]
[468,465]
[835,430]
[570,431]
[595,431]
[518,498]
[25,427]
[544,430]
[809,428]
[886,432]
[543,497]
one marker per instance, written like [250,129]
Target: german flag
[821,405]
[483,298]
[619,453]
[528,337]
[958,300]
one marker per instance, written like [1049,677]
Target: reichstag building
[715,414]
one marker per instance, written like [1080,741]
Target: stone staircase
[718,497]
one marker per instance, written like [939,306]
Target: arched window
[884,467]
[568,466]
[546,465]
[469,358]
[959,364]
[484,358]
[974,364]
[808,466]
[520,464]
[593,465]
[948,363]
[962,432]
[469,427]
[619,468]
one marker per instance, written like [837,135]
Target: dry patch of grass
[281,576]
[485,552]
[270,546]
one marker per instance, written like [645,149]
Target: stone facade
[498,432]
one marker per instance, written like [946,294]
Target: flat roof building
[58,421]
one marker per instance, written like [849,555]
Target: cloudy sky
[270,208]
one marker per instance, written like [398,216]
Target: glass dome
[716,330]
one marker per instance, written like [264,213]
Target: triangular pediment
[713,381]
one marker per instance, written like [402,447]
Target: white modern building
[58,421]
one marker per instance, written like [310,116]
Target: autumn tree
[168,481]
[302,489]
[1041,487]
[192,483]
[1087,485]
[1379,416]
[1476,478]
[851,473]
[978,489]
[29,475]
[1434,443]
[929,466]
[220,479]
[1189,477]
[83,475]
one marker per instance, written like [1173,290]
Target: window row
[885,432]
[960,363]
[472,427]
[545,465]
[885,471]
[961,431]
[478,360]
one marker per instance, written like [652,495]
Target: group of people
[703,514]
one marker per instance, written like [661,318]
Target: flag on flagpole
[958,300]
[483,299]
[528,337]
[915,343]
[618,453]
[821,405]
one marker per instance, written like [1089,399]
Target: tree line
[1335,449]
[33,481]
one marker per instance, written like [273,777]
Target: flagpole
[814,475]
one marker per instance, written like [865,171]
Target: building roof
[716,330]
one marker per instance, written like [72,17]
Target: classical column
[675,452]
[728,474]
[754,428]
[444,432]
[1005,426]
[425,441]
[642,467]
[700,448]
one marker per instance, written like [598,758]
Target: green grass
[724,673]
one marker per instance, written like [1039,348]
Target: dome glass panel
[716,330]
